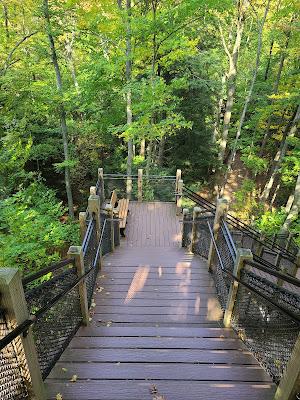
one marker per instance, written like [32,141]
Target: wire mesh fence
[13,371]
[201,240]
[53,331]
[268,332]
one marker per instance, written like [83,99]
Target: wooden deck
[156,327]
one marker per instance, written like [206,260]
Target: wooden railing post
[14,304]
[178,177]
[196,214]
[76,253]
[241,256]
[129,187]
[93,191]
[82,224]
[140,185]
[221,210]
[110,214]
[94,209]
[101,187]
[179,197]
[289,386]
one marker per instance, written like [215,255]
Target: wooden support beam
[76,253]
[14,304]
[289,386]
[179,197]
[140,185]
[221,210]
[82,224]
[94,209]
[242,255]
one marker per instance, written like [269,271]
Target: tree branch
[224,42]
[10,55]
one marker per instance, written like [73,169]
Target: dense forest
[210,87]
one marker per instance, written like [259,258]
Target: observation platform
[156,331]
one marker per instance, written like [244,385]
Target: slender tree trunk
[6,20]
[294,211]
[161,151]
[269,60]
[232,73]
[275,91]
[289,132]
[142,147]
[250,92]
[128,96]
[149,157]
[289,203]
[62,112]
[216,134]
[70,59]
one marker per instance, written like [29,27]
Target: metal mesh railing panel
[106,240]
[12,376]
[187,230]
[116,223]
[268,332]
[54,330]
[202,237]
[159,189]
[119,184]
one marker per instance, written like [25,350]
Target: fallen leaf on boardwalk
[155,394]
[102,276]
[109,323]
[222,336]
[99,289]
[107,293]
[93,305]
[59,397]
[74,378]
[118,363]
[112,279]
[90,319]
[64,369]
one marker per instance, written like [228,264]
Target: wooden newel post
[140,185]
[110,214]
[179,197]
[221,210]
[94,209]
[101,186]
[196,215]
[93,191]
[82,224]
[14,305]
[289,386]
[178,177]
[241,256]
[76,253]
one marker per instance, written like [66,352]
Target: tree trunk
[128,96]
[70,59]
[289,132]
[6,21]
[216,134]
[161,151]
[275,91]
[294,211]
[289,203]
[62,112]
[149,157]
[142,147]
[269,60]
[250,92]
[232,73]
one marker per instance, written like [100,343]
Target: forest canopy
[210,87]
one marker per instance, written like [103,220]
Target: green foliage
[34,230]
[245,200]
[270,222]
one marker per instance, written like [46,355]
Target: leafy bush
[270,222]
[33,229]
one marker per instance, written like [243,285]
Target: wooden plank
[163,288]
[158,295]
[171,310]
[159,356]
[157,343]
[144,371]
[204,302]
[156,319]
[140,390]
[157,332]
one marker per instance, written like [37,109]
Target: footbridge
[191,304]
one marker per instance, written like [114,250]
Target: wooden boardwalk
[156,327]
